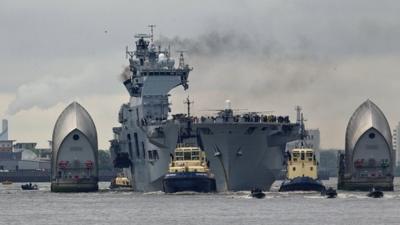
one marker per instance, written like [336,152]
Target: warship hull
[244,156]
[150,152]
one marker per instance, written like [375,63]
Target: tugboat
[120,182]
[188,171]
[301,172]
[29,186]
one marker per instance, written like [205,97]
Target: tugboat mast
[302,132]
[188,103]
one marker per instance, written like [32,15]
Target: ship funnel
[4,132]
[228,104]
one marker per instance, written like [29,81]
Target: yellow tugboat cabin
[188,159]
[302,163]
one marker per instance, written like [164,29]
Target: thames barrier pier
[368,161]
[74,163]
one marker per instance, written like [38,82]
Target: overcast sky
[327,56]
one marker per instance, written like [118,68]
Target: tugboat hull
[198,182]
[302,184]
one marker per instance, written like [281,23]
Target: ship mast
[152,31]
[188,103]
[300,120]
[298,113]
[181,60]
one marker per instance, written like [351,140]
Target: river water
[110,207]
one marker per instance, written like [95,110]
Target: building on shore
[4,130]
[19,156]
[368,160]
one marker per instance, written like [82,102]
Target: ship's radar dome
[228,104]
[162,57]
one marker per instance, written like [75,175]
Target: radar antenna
[181,59]
[142,36]
[128,53]
[152,31]
[303,132]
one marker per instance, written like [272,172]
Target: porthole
[75,137]
[371,135]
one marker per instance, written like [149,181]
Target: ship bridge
[153,75]
[153,71]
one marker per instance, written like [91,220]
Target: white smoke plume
[48,91]
[43,93]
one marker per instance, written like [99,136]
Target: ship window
[311,168]
[179,156]
[155,155]
[302,156]
[75,137]
[188,155]
[136,144]
[294,168]
[130,145]
[143,150]
[195,155]
[371,135]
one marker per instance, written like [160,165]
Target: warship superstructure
[146,139]
[244,151]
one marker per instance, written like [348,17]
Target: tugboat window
[75,137]
[371,135]
[188,155]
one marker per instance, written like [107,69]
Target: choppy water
[106,207]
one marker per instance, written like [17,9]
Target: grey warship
[244,151]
